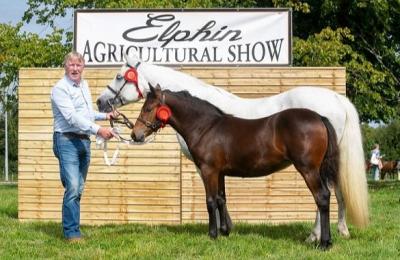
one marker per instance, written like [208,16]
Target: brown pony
[222,145]
[389,167]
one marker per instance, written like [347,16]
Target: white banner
[187,37]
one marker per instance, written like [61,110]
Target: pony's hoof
[344,233]
[312,238]
[225,231]
[213,235]
[229,223]
[325,245]
[343,230]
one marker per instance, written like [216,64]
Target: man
[376,163]
[73,124]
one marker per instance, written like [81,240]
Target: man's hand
[112,115]
[106,132]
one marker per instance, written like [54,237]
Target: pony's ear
[152,90]
[158,90]
[128,59]
[125,56]
[132,58]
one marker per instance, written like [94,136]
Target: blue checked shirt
[72,108]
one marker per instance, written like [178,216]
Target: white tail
[352,176]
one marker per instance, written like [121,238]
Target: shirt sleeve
[64,104]
[100,116]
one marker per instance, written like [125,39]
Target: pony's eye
[119,77]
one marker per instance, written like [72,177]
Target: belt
[76,136]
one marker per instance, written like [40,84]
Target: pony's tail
[352,176]
[330,164]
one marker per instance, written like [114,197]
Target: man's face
[73,69]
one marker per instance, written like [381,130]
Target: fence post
[5,136]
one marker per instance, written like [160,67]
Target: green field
[381,240]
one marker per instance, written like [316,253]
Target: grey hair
[71,55]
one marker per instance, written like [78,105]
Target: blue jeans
[375,172]
[73,155]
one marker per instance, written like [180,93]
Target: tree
[388,138]
[372,33]
[366,85]
[375,39]
[361,35]
[18,50]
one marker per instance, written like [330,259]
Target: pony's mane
[185,97]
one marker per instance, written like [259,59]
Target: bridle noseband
[163,113]
[117,94]
[153,126]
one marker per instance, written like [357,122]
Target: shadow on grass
[389,184]
[8,197]
[296,231]
[10,212]
[293,231]
[49,229]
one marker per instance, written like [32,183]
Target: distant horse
[390,168]
[387,167]
[131,85]
[222,145]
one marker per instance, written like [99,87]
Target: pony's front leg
[225,219]
[210,180]
[212,216]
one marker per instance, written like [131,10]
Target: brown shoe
[75,240]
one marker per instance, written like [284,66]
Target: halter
[131,77]
[163,114]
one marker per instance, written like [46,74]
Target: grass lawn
[381,240]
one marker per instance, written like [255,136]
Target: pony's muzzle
[103,105]
[137,136]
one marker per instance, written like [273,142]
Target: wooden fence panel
[155,183]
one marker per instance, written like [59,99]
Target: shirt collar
[72,83]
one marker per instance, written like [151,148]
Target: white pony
[351,194]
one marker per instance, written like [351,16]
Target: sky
[12,11]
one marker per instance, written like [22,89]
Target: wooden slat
[98,199]
[127,153]
[104,184]
[105,192]
[94,176]
[85,215]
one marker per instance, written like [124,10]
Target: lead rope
[101,143]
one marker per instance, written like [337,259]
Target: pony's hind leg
[319,190]
[316,231]
[323,201]
[321,193]
[342,226]
[225,219]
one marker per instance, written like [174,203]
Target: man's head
[73,65]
